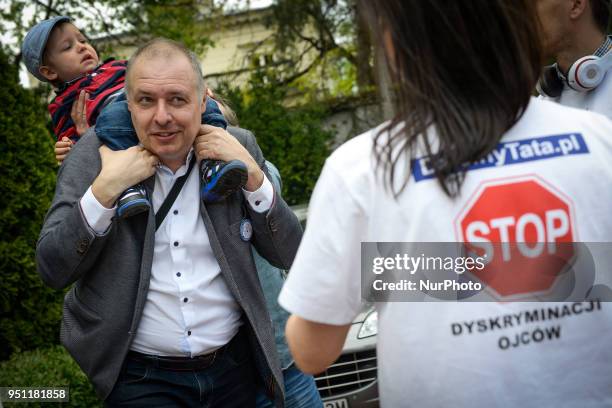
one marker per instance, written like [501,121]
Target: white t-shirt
[469,354]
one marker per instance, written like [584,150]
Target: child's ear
[48,73]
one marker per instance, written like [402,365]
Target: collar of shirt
[162,169]
[604,48]
[165,179]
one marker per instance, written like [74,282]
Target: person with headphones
[574,35]
[469,159]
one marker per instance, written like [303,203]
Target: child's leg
[114,128]
[213,115]
[220,179]
[114,125]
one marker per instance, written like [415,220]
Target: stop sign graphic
[519,226]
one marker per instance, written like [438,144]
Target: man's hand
[79,113]
[62,148]
[120,170]
[217,144]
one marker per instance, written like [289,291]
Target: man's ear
[48,73]
[578,8]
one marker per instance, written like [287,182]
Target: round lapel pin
[246,230]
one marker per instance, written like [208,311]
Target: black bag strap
[174,192]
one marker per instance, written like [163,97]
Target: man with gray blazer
[171,315]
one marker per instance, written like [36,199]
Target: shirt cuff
[97,216]
[261,200]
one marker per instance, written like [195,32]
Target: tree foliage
[29,311]
[115,23]
[323,38]
[94,17]
[291,138]
[320,47]
[188,21]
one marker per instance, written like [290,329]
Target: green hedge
[29,312]
[50,367]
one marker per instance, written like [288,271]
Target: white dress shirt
[189,309]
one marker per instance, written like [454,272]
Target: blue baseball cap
[34,44]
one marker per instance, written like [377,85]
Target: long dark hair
[467,68]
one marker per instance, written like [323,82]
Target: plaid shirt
[103,82]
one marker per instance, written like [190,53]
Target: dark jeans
[114,125]
[228,382]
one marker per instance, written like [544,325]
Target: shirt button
[175,212]
[185,300]
[175,243]
[178,274]
[189,332]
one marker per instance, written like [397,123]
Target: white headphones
[584,75]
[587,73]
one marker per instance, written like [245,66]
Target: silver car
[351,381]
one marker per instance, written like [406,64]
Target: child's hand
[62,148]
[79,113]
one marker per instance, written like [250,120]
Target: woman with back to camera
[463,75]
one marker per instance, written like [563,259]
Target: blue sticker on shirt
[246,230]
[519,151]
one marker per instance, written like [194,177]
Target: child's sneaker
[133,201]
[222,179]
